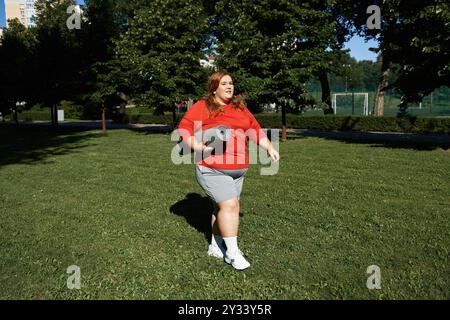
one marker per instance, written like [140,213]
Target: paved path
[292,133]
[97,124]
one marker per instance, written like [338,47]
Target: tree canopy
[150,51]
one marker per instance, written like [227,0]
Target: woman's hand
[198,146]
[266,144]
[206,149]
[273,154]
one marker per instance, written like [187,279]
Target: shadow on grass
[197,212]
[33,145]
[419,142]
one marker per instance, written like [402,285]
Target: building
[21,9]
[209,62]
[30,13]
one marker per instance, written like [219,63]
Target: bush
[144,118]
[359,123]
[71,110]
[34,116]
[327,123]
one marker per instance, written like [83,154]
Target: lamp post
[346,65]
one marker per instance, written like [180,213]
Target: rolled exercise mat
[214,137]
[217,137]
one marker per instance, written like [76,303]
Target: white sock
[217,240]
[231,243]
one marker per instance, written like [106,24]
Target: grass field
[136,224]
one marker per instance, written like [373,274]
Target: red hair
[213,106]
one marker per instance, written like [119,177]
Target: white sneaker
[237,260]
[215,251]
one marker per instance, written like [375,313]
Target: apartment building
[23,10]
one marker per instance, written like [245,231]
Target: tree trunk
[382,84]
[174,117]
[104,119]
[283,122]
[16,116]
[326,91]
[56,115]
[52,115]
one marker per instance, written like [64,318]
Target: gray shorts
[220,185]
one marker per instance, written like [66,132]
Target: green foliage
[59,53]
[145,118]
[327,123]
[272,47]
[355,123]
[71,109]
[16,52]
[161,50]
[414,39]
[421,46]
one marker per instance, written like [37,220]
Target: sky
[2,13]
[359,49]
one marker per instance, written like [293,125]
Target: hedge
[34,116]
[359,123]
[320,123]
[331,123]
[144,118]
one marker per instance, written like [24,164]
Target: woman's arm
[197,146]
[267,145]
[259,137]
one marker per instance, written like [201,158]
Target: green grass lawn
[136,224]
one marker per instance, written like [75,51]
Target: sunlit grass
[135,223]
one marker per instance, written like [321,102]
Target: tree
[16,50]
[421,47]
[161,50]
[413,35]
[273,47]
[101,73]
[57,62]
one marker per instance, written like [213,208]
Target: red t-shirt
[242,124]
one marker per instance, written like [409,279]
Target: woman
[221,175]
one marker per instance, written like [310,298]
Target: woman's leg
[216,248]
[214,227]
[227,222]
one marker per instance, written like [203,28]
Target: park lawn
[135,223]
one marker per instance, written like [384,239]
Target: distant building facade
[209,62]
[24,10]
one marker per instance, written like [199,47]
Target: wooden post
[56,115]
[283,123]
[353,103]
[174,116]
[16,117]
[104,119]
